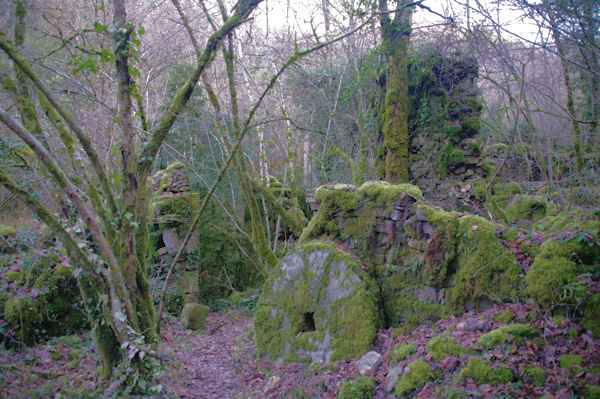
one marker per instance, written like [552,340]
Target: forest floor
[220,362]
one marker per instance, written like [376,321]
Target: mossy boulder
[428,262]
[418,375]
[194,315]
[357,388]
[482,373]
[24,314]
[318,304]
[527,207]
[559,276]
[485,269]
[47,300]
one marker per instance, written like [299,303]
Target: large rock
[368,363]
[318,304]
[194,315]
[428,262]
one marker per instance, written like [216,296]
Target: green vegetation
[357,388]
[571,362]
[504,317]
[401,352]
[419,374]
[318,291]
[514,333]
[481,373]
[485,269]
[536,373]
[441,347]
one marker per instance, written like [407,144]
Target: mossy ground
[402,351]
[419,374]
[515,333]
[482,373]
[441,347]
[43,299]
[357,388]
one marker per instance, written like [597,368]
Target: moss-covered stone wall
[428,262]
[444,122]
[174,207]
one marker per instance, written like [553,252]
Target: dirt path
[220,362]
[214,363]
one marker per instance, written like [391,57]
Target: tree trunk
[396,38]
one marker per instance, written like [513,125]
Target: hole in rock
[308,322]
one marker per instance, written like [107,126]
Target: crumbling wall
[174,207]
[444,122]
[428,262]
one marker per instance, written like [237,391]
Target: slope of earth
[538,358]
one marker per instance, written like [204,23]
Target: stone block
[194,315]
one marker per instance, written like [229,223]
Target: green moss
[194,316]
[454,155]
[505,190]
[437,216]
[504,317]
[526,207]
[419,374]
[341,201]
[7,231]
[537,374]
[24,314]
[489,168]
[470,125]
[573,362]
[452,130]
[357,388]
[591,392]
[591,314]
[108,348]
[572,333]
[551,270]
[474,147]
[485,269]
[441,347]
[402,351]
[384,193]
[480,189]
[514,332]
[13,275]
[481,373]
[331,202]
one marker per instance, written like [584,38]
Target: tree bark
[396,38]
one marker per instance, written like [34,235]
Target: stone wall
[428,262]
[174,206]
[444,126]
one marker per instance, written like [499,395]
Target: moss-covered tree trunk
[258,235]
[396,38]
